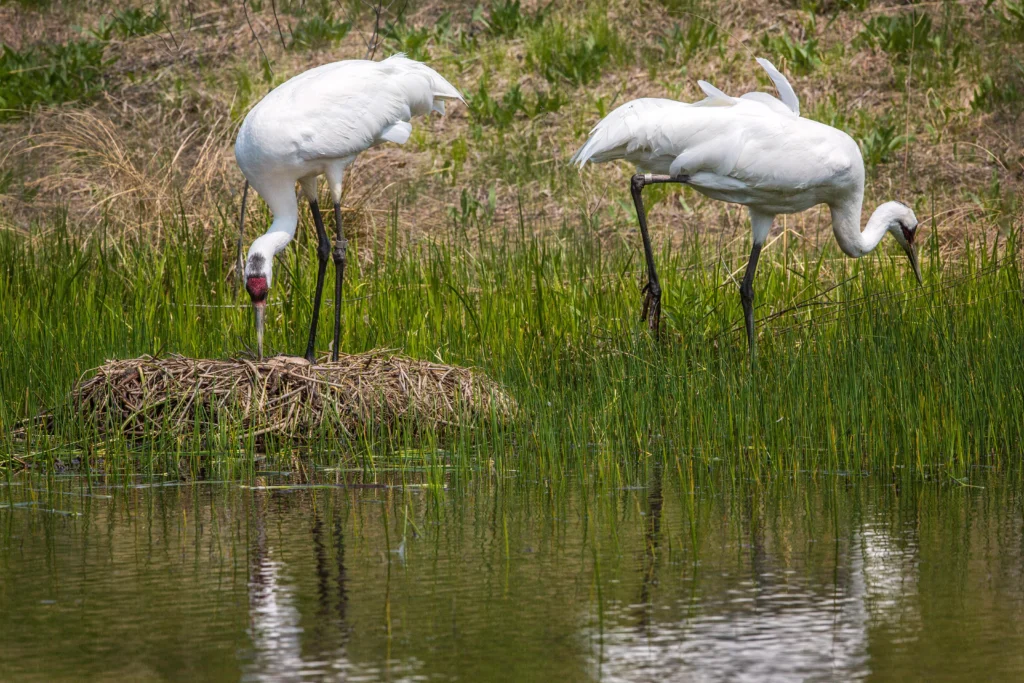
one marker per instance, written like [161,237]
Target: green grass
[506,18]
[900,35]
[577,56]
[865,371]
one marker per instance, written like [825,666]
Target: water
[843,578]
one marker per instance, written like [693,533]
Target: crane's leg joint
[747,291]
[340,251]
[323,250]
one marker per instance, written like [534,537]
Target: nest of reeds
[284,396]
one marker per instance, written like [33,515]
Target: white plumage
[316,124]
[754,150]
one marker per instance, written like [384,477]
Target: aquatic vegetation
[858,367]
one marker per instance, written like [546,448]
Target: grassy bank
[858,367]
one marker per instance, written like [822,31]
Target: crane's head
[902,223]
[257,283]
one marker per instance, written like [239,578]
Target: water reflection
[890,569]
[284,644]
[664,580]
[769,625]
[274,627]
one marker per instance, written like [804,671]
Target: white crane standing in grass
[316,124]
[754,150]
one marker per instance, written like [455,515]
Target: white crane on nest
[316,124]
[754,150]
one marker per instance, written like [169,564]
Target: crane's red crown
[257,287]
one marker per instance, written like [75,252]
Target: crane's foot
[652,306]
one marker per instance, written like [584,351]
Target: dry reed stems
[283,396]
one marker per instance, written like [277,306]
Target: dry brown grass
[94,168]
[285,397]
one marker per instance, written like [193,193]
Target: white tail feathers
[786,92]
[397,132]
[441,88]
[635,125]
[715,96]
[623,129]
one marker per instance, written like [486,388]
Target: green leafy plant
[835,6]
[318,32]
[900,34]
[683,44]
[1012,17]
[486,109]
[50,74]
[501,113]
[993,93]
[411,41]
[506,18]
[547,102]
[578,56]
[879,140]
[135,21]
[829,112]
[799,56]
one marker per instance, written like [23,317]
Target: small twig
[252,29]
[378,9]
[280,33]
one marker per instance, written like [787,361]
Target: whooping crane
[754,150]
[316,124]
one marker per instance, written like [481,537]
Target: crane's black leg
[323,252]
[340,248]
[652,290]
[747,297]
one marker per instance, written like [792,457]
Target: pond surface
[840,578]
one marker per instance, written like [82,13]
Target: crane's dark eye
[908,233]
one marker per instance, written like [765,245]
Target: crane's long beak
[260,309]
[912,255]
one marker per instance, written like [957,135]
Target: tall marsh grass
[858,368]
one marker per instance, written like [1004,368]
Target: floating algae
[284,396]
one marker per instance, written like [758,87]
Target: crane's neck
[260,261]
[846,226]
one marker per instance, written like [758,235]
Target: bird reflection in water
[281,647]
[776,623]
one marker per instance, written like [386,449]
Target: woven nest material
[284,396]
